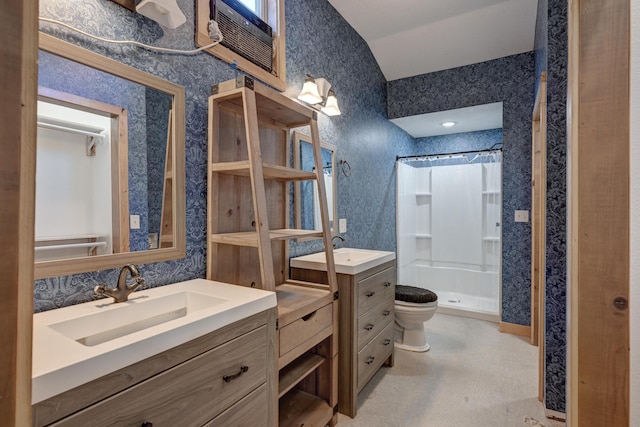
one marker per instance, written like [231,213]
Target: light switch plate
[522,216]
[134,222]
[342,225]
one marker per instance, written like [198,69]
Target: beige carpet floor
[473,376]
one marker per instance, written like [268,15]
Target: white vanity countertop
[61,361]
[347,260]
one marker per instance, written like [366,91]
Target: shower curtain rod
[494,147]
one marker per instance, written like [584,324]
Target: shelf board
[490,192]
[491,239]
[300,408]
[246,238]
[295,301]
[295,371]
[269,103]
[423,236]
[250,238]
[423,194]
[276,172]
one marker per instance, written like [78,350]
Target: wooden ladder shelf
[248,238]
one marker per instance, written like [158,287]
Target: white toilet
[413,307]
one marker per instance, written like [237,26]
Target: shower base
[482,308]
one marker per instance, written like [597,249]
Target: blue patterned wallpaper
[552,56]
[455,143]
[466,141]
[330,48]
[321,43]
[326,47]
[509,80]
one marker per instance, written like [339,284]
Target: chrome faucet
[337,236]
[121,292]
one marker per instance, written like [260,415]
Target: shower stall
[449,210]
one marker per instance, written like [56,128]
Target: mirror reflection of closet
[110,164]
[307,205]
[81,161]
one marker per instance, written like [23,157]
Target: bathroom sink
[347,260]
[103,326]
[77,344]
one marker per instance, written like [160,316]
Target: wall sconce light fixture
[317,93]
[165,12]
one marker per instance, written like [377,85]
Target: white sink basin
[103,326]
[77,344]
[347,260]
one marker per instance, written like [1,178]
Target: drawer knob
[370,294]
[229,378]
[387,284]
[386,313]
[386,342]
[147,424]
[370,360]
[369,326]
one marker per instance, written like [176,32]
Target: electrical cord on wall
[214,33]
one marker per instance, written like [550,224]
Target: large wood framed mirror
[110,179]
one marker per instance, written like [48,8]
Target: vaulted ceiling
[412,37]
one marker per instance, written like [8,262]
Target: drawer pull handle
[386,342]
[369,326]
[370,360]
[370,294]
[387,284]
[229,378]
[308,316]
[386,313]
[147,424]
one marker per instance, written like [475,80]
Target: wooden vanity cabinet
[366,318]
[221,379]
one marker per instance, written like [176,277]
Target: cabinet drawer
[305,329]
[373,355]
[373,321]
[374,289]
[191,393]
[250,411]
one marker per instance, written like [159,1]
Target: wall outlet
[342,226]
[522,216]
[134,222]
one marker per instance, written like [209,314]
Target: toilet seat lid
[414,294]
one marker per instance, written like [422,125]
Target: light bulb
[331,106]
[309,93]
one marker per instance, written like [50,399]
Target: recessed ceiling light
[448,124]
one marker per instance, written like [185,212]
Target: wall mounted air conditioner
[244,32]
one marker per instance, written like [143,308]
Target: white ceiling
[469,119]
[413,37]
